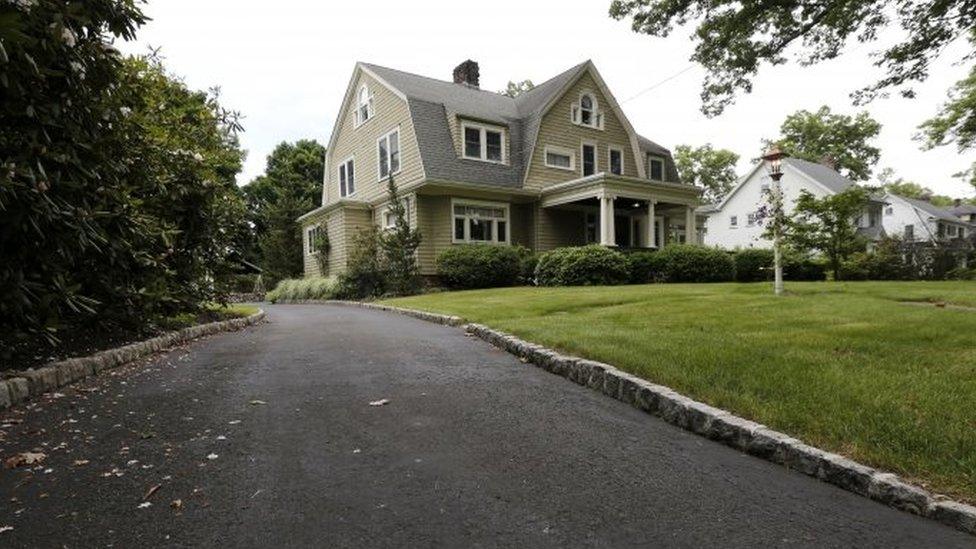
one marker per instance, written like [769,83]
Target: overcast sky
[286,64]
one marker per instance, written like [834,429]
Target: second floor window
[347,178]
[483,143]
[751,219]
[734,221]
[388,150]
[364,105]
[586,112]
[655,168]
[589,159]
[616,162]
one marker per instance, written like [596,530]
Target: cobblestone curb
[422,315]
[18,386]
[716,424]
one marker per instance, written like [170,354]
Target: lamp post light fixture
[774,158]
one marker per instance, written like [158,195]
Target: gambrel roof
[432,101]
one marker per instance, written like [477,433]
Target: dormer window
[655,168]
[481,142]
[364,107]
[586,112]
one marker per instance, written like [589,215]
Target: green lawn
[844,366]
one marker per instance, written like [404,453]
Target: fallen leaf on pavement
[212,456]
[152,491]
[381,402]
[144,505]
[257,402]
[5,529]
[24,458]
[80,462]
[176,504]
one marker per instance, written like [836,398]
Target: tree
[290,187]
[827,225]
[842,139]
[713,169]
[515,89]
[734,39]
[398,248]
[955,122]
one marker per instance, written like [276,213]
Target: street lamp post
[775,159]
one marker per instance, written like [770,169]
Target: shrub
[692,263]
[644,267]
[527,262]
[804,269]
[297,289]
[592,265]
[753,265]
[961,273]
[364,276]
[479,266]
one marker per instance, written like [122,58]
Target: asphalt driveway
[266,438]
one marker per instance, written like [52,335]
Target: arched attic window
[586,112]
[364,108]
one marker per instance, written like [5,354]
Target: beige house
[560,165]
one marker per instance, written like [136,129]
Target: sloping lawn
[844,366]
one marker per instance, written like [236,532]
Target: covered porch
[627,212]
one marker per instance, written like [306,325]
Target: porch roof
[630,187]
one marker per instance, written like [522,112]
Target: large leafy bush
[692,263]
[591,265]
[645,267]
[479,266]
[753,265]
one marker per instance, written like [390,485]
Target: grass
[843,366]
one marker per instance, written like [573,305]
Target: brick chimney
[829,161]
[467,74]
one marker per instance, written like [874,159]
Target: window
[388,151]
[389,220]
[483,143]
[558,157]
[889,210]
[872,218]
[655,168]
[734,221]
[586,112]
[347,178]
[364,108]
[485,222]
[616,161]
[589,159]
[751,219]
[312,236]
[952,230]
[941,230]
[909,232]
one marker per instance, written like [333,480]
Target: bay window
[479,222]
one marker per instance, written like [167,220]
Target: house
[559,165]
[965,212]
[735,222]
[920,221]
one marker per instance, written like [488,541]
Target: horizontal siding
[558,228]
[557,129]
[389,111]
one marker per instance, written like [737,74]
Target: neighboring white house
[920,221]
[733,222]
[966,212]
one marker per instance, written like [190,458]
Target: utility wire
[658,84]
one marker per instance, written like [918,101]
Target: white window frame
[909,228]
[560,151]
[389,156]
[484,129]
[467,228]
[610,151]
[651,158]
[313,230]
[751,219]
[387,210]
[342,164]
[359,105]
[576,111]
[596,158]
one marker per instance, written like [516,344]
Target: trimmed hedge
[692,263]
[481,266]
[804,269]
[297,289]
[645,267]
[753,265]
[592,265]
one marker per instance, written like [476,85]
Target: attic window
[364,108]
[586,112]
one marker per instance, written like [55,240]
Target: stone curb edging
[716,424]
[422,315]
[18,386]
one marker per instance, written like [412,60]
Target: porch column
[651,224]
[607,230]
[691,226]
